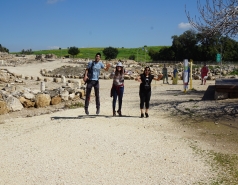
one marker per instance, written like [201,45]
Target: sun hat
[119,64]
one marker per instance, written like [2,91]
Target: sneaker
[86,111]
[142,115]
[98,111]
[114,113]
[147,115]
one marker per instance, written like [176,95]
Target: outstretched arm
[107,67]
[158,77]
[138,79]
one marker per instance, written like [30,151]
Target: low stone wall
[13,99]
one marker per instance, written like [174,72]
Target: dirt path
[68,147]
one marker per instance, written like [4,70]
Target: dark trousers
[89,87]
[117,93]
[145,99]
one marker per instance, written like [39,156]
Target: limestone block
[42,86]
[13,104]
[38,78]
[56,100]
[4,77]
[42,100]
[18,81]
[26,103]
[10,88]
[80,93]
[35,91]
[71,96]
[64,95]
[3,108]
[63,80]
[56,80]
[29,96]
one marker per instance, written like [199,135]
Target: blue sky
[50,24]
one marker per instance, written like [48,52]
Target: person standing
[145,80]
[165,74]
[91,77]
[175,75]
[204,72]
[117,88]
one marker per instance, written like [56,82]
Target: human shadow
[90,116]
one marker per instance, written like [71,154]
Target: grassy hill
[124,53]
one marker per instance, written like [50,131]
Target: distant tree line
[197,46]
[3,49]
[27,52]
[109,52]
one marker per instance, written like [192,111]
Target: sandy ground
[69,147]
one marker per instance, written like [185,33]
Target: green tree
[185,45]
[27,52]
[110,53]
[3,49]
[166,53]
[73,51]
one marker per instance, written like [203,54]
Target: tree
[110,53]
[3,49]
[27,52]
[218,17]
[73,51]
[185,45]
[166,53]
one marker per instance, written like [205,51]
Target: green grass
[226,165]
[235,72]
[123,53]
[74,105]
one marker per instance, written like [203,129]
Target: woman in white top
[117,88]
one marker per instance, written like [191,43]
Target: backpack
[90,73]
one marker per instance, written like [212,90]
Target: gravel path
[68,147]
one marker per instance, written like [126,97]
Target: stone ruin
[14,97]
[45,57]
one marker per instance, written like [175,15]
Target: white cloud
[53,1]
[183,25]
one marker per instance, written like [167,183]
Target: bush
[73,51]
[110,53]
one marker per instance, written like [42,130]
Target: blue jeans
[117,92]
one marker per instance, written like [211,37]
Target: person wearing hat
[91,77]
[145,80]
[117,89]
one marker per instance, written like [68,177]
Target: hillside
[124,53]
